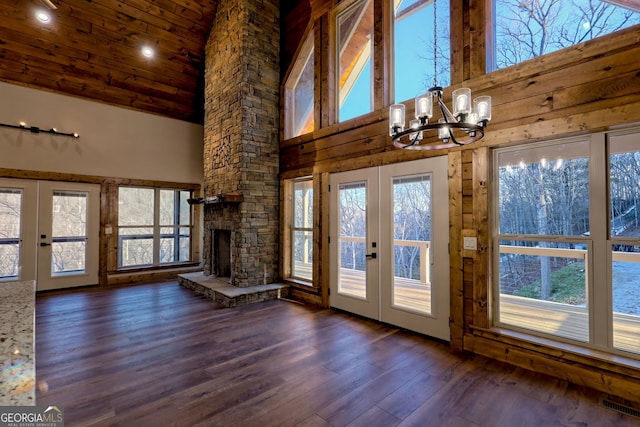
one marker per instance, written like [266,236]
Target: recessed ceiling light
[147,51]
[43,16]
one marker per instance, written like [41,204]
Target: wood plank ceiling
[93,49]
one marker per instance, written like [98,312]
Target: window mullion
[600,277]
[156,227]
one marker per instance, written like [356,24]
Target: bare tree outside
[10,223]
[526,29]
[142,236]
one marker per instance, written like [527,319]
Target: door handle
[45,244]
[372,255]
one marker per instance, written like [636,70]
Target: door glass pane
[412,235]
[352,217]
[355,44]
[68,232]
[10,220]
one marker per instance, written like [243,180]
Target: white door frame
[47,280]
[35,221]
[378,303]
[369,305]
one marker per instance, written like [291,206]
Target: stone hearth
[219,290]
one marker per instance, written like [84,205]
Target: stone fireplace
[241,142]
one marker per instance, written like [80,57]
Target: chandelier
[466,124]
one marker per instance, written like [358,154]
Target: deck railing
[425,255]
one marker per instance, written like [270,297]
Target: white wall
[114,142]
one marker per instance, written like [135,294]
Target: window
[544,211]
[10,232]
[355,53]
[302,229]
[154,227]
[624,188]
[567,251]
[413,47]
[299,93]
[527,29]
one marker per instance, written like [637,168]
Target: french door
[389,234]
[49,232]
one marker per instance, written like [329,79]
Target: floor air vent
[623,409]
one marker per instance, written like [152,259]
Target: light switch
[470,243]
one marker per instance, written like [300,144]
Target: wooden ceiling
[92,49]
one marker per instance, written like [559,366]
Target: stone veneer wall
[241,140]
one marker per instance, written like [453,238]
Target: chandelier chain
[435,44]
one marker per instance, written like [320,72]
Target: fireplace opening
[221,253]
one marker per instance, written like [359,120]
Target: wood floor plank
[159,355]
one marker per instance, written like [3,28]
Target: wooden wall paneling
[479,25]
[103,251]
[318,76]
[296,18]
[285,240]
[112,239]
[607,377]
[456,313]
[196,229]
[456,28]
[481,286]
[323,268]
[571,124]
[382,53]
[327,101]
[467,291]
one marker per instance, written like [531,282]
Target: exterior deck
[564,320]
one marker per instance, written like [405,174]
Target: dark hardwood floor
[159,355]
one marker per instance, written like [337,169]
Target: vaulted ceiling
[93,49]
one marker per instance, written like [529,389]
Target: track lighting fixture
[35,129]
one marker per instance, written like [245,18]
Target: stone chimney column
[241,146]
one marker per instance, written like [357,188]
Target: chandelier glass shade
[466,124]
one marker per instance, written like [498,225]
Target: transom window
[299,93]
[154,227]
[415,67]
[527,29]
[354,28]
